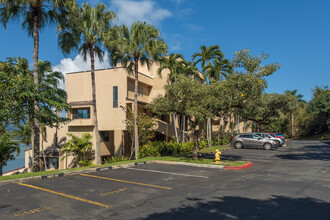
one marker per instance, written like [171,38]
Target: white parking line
[157,171]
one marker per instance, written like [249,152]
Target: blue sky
[295,33]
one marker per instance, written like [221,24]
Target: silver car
[280,141]
[253,140]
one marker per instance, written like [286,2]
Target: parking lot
[286,184]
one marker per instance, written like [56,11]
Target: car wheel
[267,146]
[238,145]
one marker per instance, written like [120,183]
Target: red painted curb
[238,167]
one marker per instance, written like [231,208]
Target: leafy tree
[15,89]
[252,65]
[319,107]
[146,127]
[7,150]
[80,149]
[190,97]
[174,63]
[139,44]
[205,57]
[84,32]
[19,94]
[36,14]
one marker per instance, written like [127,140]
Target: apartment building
[114,90]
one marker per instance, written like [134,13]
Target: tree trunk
[96,127]
[224,131]
[43,152]
[183,127]
[175,128]
[196,144]
[292,120]
[0,170]
[136,132]
[35,129]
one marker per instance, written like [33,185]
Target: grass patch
[184,157]
[213,148]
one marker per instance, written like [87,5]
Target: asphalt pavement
[292,182]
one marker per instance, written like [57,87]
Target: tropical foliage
[80,148]
[84,31]
[141,44]
[8,148]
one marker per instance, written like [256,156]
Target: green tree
[85,32]
[19,91]
[190,97]
[7,150]
[36,14]
[295,100]
[146,127]
[80,149]
[319,107]
[205,57]
[139,44]
[177,66]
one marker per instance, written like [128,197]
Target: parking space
[293,178]
[74,196]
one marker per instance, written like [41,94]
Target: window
[115,96]
[140,91]
[104,136]
[81,113]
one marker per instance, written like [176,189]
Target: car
[280,141]
[277,136]
[280,135]
[252,140]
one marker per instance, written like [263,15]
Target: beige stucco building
[114,90]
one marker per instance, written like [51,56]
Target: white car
[279,141]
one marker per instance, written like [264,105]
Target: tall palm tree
[36,14]
[205,57]
[84,32]
[175,64]
[141,43]
[299,98]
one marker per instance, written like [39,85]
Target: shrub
[116,159]
[160,148]
[202,144]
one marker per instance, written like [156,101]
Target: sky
[295,33]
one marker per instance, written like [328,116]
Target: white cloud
[67,65]
[146,10]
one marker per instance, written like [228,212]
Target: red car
[276,135]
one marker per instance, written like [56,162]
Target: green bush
[160,148]
[202,144]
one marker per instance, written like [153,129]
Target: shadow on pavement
[310,152]
[306,156]
[230,207]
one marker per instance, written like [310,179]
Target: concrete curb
[239,167]
[93,169]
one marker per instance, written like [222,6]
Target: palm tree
[7,150]
[36,14]
[299,98]
[219,69]
[205,57]
[141,43]
[174,63]
[84,32]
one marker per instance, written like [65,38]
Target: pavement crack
[302,189]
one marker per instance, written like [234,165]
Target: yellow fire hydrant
[217,156]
